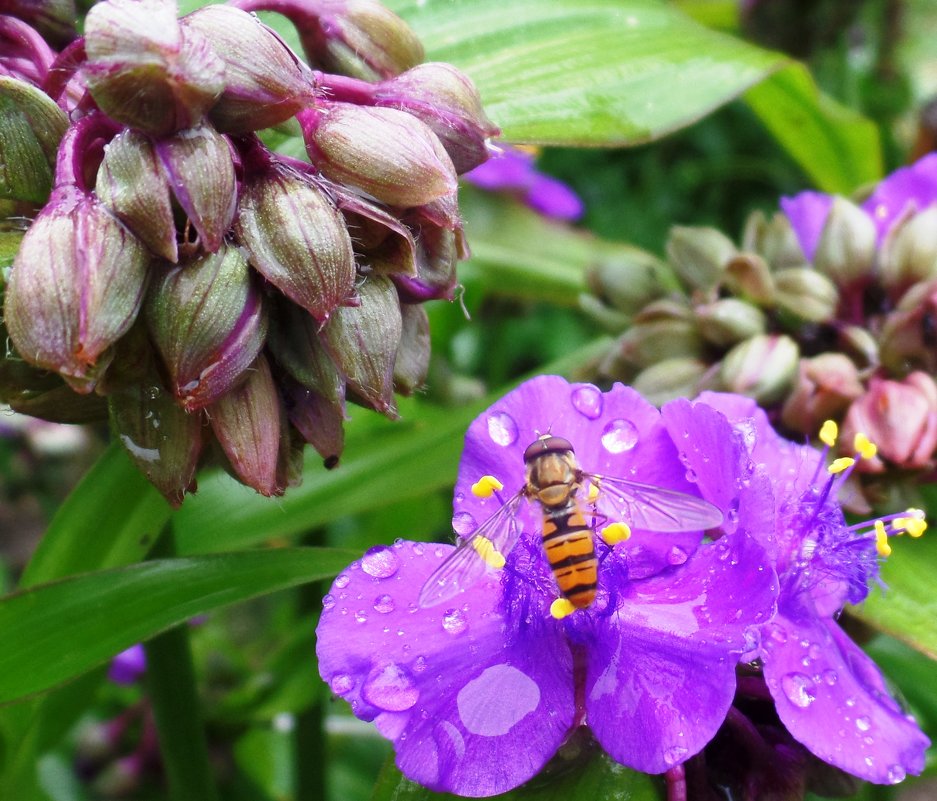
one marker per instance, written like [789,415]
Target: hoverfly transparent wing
[496,536]
[645,506]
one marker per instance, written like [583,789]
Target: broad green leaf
[590,775]
[837,147]
[587,72]
[55,632]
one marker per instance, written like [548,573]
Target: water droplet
[380,562]
[502,429]
[587,400]
[459,497]
[418,549]
[341,683]
[676,555]
[863,723]
[463,523]
[419,664]
[691,476]
[390,687]
[799,689]
[328,602]
[619,436]
[454,622]
[341,580]
[383,604]
[830,677]
[361,616]
[674,754]
[778,634]
[895,774]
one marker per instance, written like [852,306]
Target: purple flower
[478,693]
[513,171]
[909,189]
[128,666]
[828,693]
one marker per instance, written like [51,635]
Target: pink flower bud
[412,362]
[319,421]
[824,387]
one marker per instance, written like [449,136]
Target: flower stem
[170,676]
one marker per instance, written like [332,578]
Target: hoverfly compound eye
[547,444]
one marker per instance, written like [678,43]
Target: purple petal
[471,706]
[553,198]
[510,170]
[661,673]
[128,666]
[807,212]
[914,186]
[832,698]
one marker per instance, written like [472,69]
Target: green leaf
[589,774]
[837,147]
[587,72]
[57,631]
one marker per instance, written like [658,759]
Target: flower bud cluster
[828,310]
[197,286]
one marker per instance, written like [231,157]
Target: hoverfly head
[544,444]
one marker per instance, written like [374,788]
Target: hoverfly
[553,480]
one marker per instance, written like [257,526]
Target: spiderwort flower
[828,693]
[479,692]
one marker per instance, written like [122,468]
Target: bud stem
[83,138]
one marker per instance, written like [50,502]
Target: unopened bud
[412,362]
[389,154]
[806,293]
[749,275]
[847,245]
[699,255]
[296,238]
[264,81]
[860,345]
[730,320]
[246,422]
[42,394]
[670,379]
[774,240]
[363,342]
[762,367]
[824,387]
[320,421]
[628,278]
[55,19]
[647,343]
[75,287]
[908,339]
[208,323]
[33,126]
[909,254]
[144,71]
[437,251]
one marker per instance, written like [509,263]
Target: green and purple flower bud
[296,237]
[209,324]
[846,248]
[382,242]
[824,388]
[54,19]
[320,421]
[909,253]
[144,70]
[264,81]
[806,293]
[763,367]
[699,255]
[908,339]
[24,54]
[412,362]
[728,321]
[388,153]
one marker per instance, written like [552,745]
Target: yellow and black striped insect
[555,481]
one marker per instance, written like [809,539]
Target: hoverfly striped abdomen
[570,550]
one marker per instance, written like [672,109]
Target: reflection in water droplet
[328,602]
[674,754]
[799,689]
[454,622]
[895,774]
[419,664]
[380,562]
[830,677]
[463,523]
[587,400]
[383,604]
[390,687]
[341,683]
[619,436]
[502,429]
[863,723]
[676,555]
[361,616]
[341,580]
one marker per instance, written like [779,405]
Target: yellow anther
[486,486]
[594,492]
[486,550]
[881,539]
[562,607]
[615,533]
[864,446]
[829,431]
[914,525]
[838,465]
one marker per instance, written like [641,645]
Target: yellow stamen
[881,539]
[486,550]
[838,465]
[615,533]
[864,446]
[914,525]
[486,486]
[829,431]
[593,495]
[562,607]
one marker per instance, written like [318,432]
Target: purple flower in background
[828,693]
[513,171]
[478,693]
[128,666]
[909,189]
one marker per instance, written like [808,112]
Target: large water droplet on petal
[587,400]
[383,604]
[676,555]
[380,562]
[341,580]
[895,774]
[390,687]
[619,436]
[863,723]
[799,689]
[454,622]
[328,601]
[463,523]
[341,683]
[502,429]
